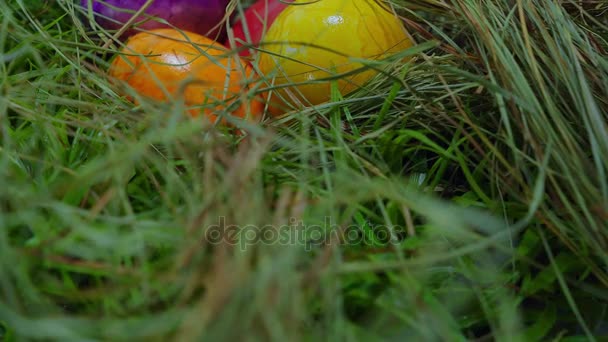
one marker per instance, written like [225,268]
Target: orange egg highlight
[167,65]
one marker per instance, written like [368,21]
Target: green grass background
[461,196]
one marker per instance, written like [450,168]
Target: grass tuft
[460,196]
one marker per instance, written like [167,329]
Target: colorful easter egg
[313,41]
[249,30]
[166,65]
[199,16]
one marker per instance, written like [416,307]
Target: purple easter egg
[198,16]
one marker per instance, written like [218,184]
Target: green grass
[462,196]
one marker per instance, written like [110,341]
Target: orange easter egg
[166,65]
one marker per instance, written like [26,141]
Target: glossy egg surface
[198,16]
[311,41]
[256,20]
[165,65]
